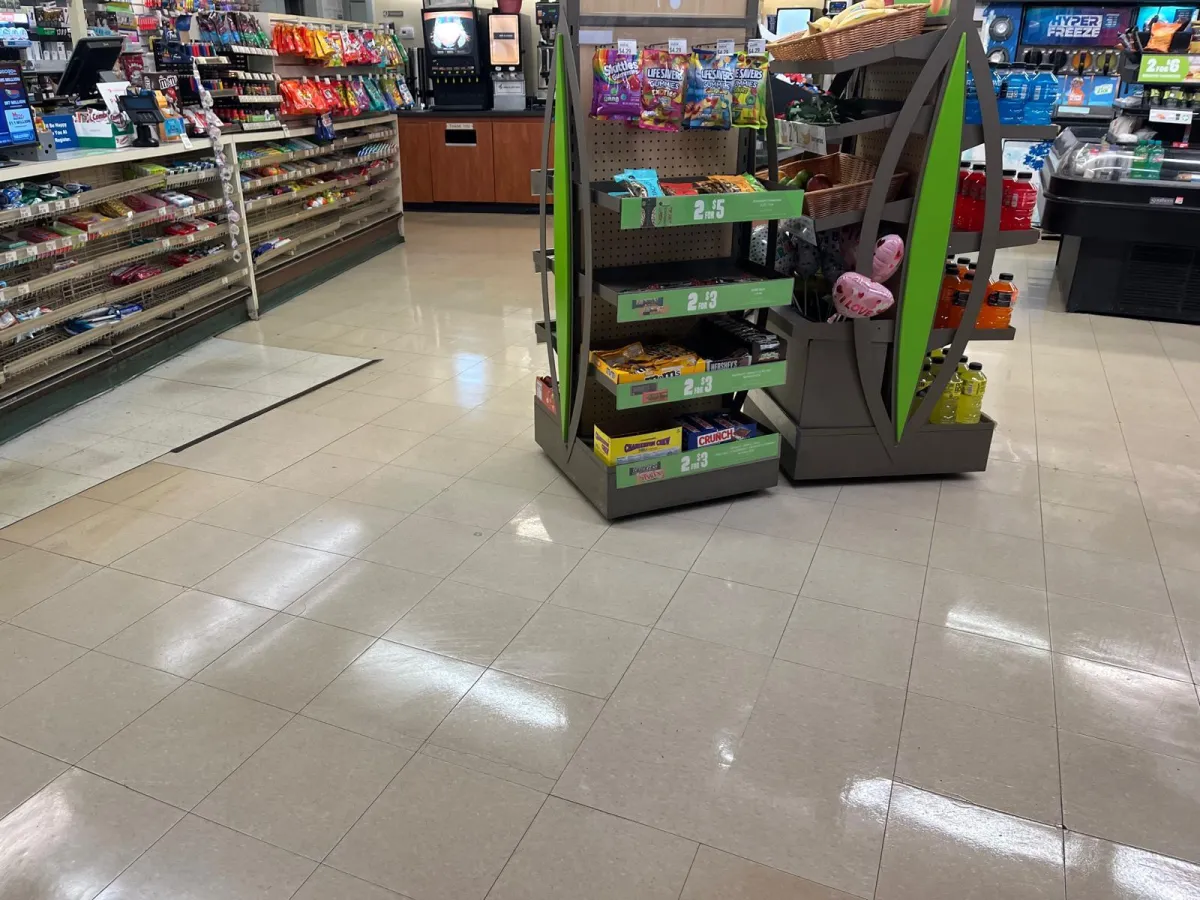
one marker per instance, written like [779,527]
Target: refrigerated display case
[1130,226]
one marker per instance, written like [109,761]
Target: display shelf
[940,337]
[44,250]
[185,179]
[273,225]
[639,487]
[271,99]
[73,343]
[86,199]
[154,217]
[294,243]
[968,241]
[336,165]
[972,135]
[109,261]
[918,47]
[702,209]
[642,293]
[893,211]
[543,260]
[108,298]
[275,159]
[657,391]
[260,203]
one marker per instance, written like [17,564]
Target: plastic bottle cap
[977,167]
[928,367]
[970,276]
[962,360]
[1025,176]
[1006,276]
[1010,171]
[976,367]
[963,260]
[972,266]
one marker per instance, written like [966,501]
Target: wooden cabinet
[470,160]
[517,149]
[416,171]
[461,153]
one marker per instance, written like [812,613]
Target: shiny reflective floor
[369,645]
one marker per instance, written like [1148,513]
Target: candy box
[615,444]
[705,429]
[544,392]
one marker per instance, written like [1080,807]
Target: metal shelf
[107,298]
[267,202]
[680,388]
[968,241]
[121,257]
[893,211]
[940,337]
[697,209]
[273,225]
[336,165]
[918,47]
[87,198]
[645,293]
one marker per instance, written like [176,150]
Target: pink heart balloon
[889,252]
[858,297]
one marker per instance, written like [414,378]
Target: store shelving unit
[38,355]
[847,407]
[611,252]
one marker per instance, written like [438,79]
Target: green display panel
[636,306]
[696,462]
[665,212]
[564,225]
[691,387]
[1165,68]
[930,237]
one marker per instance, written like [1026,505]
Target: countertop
[471,113]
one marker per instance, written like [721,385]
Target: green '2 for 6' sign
[1166,68]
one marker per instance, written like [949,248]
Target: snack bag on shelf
[337,56]
[616,88]
[662,78]
[709,90]
[749,91]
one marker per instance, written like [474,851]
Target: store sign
[1075,26]
[1164,68]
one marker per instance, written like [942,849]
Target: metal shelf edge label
[703,299]
[696,462]
[709,209]
[702,384]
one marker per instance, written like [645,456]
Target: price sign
[708,210]
[725,47]
[691,462]
[627,47]
[698,303]
[697,386]
[1172,116]
[677,45]
[756,46]
[1163,68]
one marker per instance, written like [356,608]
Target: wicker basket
[907,21]
[852,178]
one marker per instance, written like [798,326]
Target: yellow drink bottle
[969,407]
[947,404]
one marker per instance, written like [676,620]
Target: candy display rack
[847,407]
[610,252]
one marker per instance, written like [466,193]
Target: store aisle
[369,645]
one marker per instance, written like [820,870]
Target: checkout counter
[1130,244]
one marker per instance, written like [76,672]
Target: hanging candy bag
[709,90]
[662,74]
[749,91]
[616,89]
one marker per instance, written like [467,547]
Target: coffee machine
[457,57]
[546,12]
[504,52]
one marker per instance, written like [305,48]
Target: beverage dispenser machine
[504,50]
[547,24]
[457,57]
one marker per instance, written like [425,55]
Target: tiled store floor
[368,645]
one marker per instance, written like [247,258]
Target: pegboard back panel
[893,80]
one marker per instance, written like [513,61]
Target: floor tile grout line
[688,874]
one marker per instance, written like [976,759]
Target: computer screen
[450,32]
[16,129]
[789,21]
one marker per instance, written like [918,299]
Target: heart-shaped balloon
[889,252]
[858,297]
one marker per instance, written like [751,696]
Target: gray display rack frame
[594,309]
[832,415]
